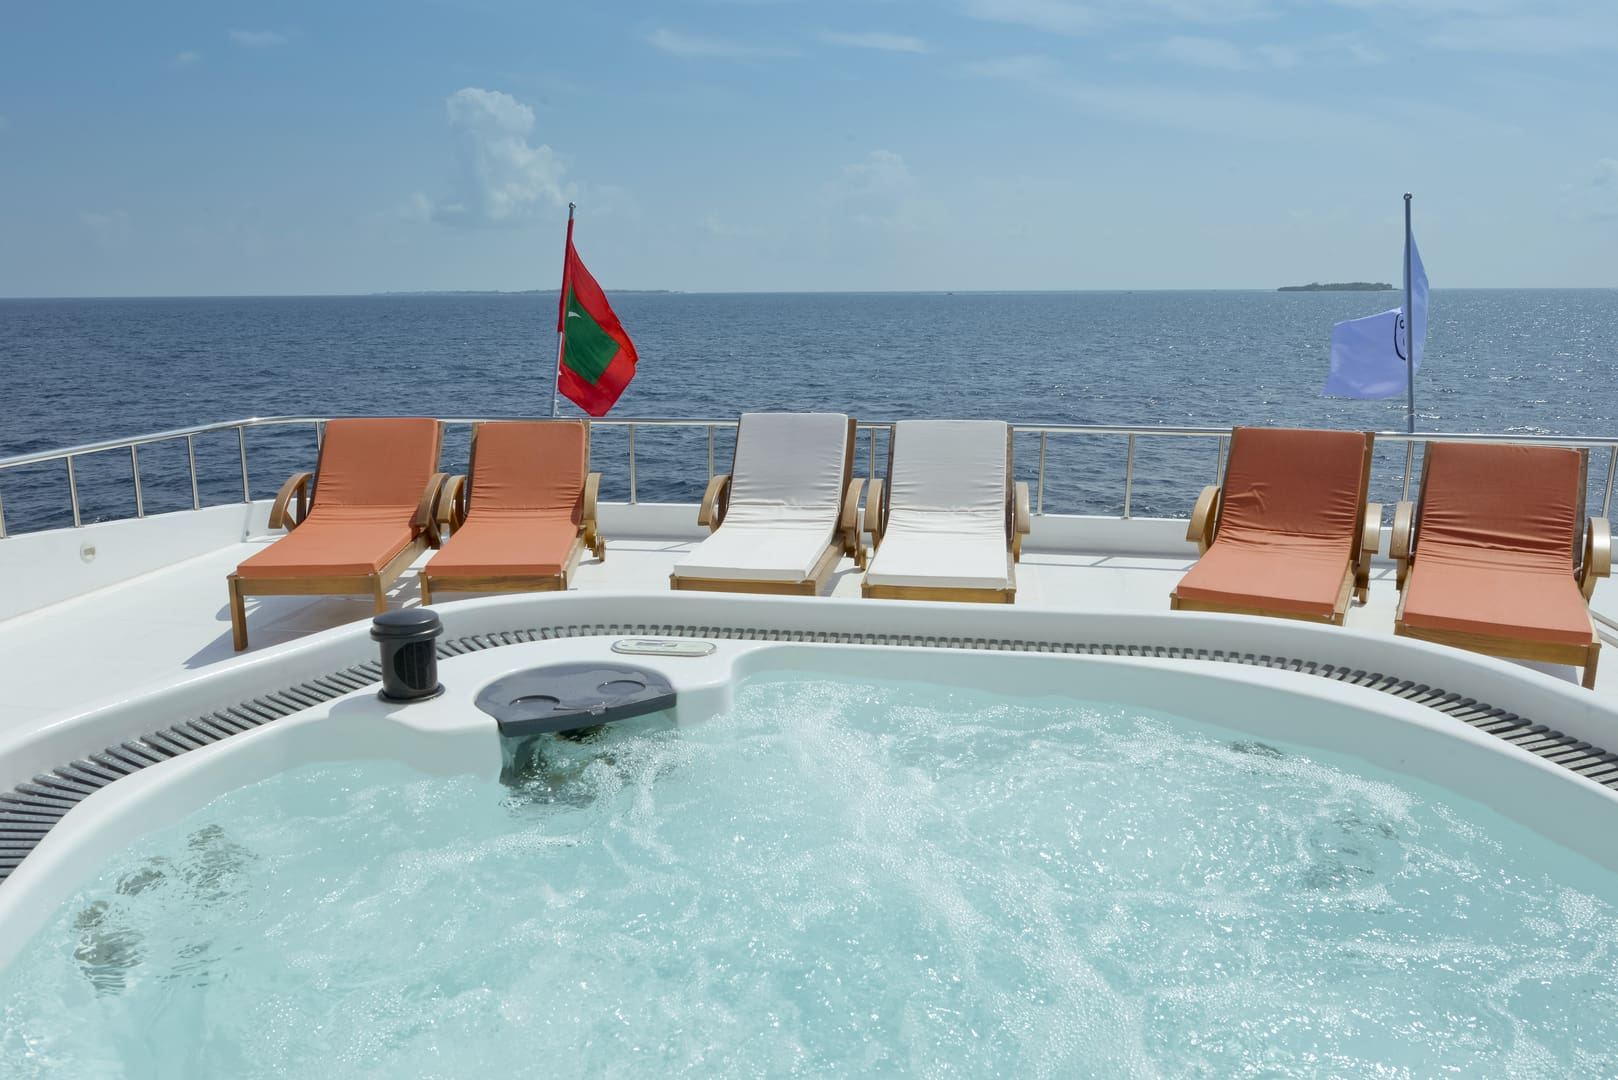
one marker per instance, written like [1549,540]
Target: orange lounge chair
[376,485]
[524,513]
[1488,559]
[1289,535]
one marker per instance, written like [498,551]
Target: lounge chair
[949,523]
[1289,534]
[786,512]
[373,512]
[1488,559]
[522,515]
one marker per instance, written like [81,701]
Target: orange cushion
[1299,576]
[1293,482]
[1495,596]
[506,542]
[1482,496]
[535,465]
[377,462]
[335,544]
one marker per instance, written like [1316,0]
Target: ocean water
[836,878]
[77,371]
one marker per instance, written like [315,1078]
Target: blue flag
[1368,355]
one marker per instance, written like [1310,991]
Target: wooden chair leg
[380,593]
[426,590]
[1590,666]
[238,614]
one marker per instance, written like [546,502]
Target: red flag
[597,358]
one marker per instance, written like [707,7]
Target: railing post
[1039,503]
[631,464]
[1129,473]
[2,518]
[1219,461]
[1606,501]
[191,455]
[870,434]
[320,436]
[73,490]
[1410,459]
[710,451]
[241,446]
[134,465]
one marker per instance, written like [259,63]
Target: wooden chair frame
[291,506]
[1203,530]
[456,505]
[1596,562]
[716,504]
[1019,523]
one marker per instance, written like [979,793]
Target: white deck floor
[146,631]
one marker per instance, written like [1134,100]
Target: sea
[85,370]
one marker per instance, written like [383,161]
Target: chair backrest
[1526,500]
[790,467]
[377,462]
[531,465]
[959,468]
[1293,482]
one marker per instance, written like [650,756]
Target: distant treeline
[1338,286]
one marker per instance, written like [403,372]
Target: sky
[227,148]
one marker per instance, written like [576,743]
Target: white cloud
[1602,190]
[880,192]
[504,180]
[1054,16]
[185,59]
[1548,34]
[257,39]
[1224,113]
[1205,52]
[109,227]
[1073,17]
[876,40]
[691,47]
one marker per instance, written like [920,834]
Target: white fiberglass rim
[449,735]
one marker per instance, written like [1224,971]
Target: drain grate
[30,810]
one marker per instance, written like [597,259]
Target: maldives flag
[597,357]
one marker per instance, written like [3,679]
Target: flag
[1368,355]
[597,359]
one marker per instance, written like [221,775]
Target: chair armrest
[1597,555]
[451,509]
[592,528]
[1399,550]
[1370,540]
[1022,519]
[709,512]
[426,518]
[1201,528]
[873,514]
[297,484]
[849,523]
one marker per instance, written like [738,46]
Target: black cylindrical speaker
[409,643]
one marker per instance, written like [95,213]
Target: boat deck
[160,626]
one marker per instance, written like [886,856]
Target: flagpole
[1410,329]
[561,318]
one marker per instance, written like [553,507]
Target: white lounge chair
[950,523]
[786,512]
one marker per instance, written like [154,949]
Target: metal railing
[871,429]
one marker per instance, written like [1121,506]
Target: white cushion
[947,507]
[786,494]
[756,553]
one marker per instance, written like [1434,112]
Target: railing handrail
[1043,430]
[41,456]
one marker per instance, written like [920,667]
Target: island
[1339,286]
